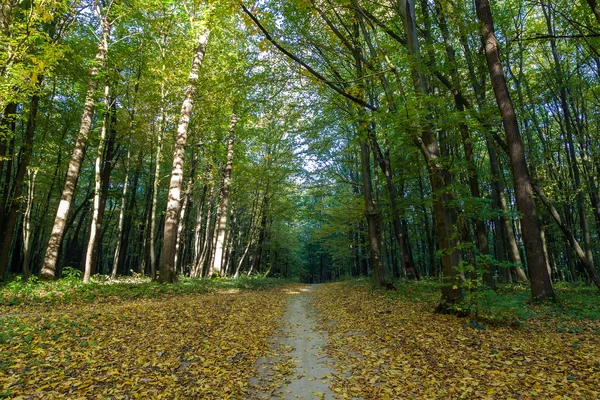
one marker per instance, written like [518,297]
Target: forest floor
[392,346]
[269,341]
[173,345]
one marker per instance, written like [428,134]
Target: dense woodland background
[312,138]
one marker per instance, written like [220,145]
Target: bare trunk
[27,223]
[223,208]
[49,268]
[120,228]
[207,240]
[95,221]
[371,213]
[11,220]
[167,257]
[180,227]
[588,265]
[198,234]
[541,285]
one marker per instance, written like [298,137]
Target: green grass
[71,289]
[509,304]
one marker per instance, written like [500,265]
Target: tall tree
[48,270]
[541,285]
[167,260]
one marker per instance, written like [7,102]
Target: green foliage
[71,274]
[488,305]
[71,290]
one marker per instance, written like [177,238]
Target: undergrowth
[70,288]
[510,304]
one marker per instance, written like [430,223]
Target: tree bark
[588,265]
[15,204]
[121,226]
[541,285]
[223,207]
[467,142]
[48,270]
[27,224]
[95,220]
[167,259]
[595,9]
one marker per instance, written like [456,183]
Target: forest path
[304,347]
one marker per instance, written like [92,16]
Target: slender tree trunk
[223,208]
[588,265]
[7,130]
[155,186]
[198,242]
[11,220]
[208,232]
[371,213]
[120,230]
[568,124]
[185,202]
[167,260]
[49,268]
[27,223]
[262,233]
[95,220]
[7,188]
[467,142]
[500,198]
[438,174]
[541,285]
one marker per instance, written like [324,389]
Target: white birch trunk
[27,223]
[48,270]
[94,223]
[167,259]
[222,210]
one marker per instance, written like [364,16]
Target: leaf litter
[387,349]
[195,346]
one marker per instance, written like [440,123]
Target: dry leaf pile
[386,349]
[194,346]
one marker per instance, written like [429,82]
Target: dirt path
[305,344]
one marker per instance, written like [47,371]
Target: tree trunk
[7,130]
[11,220]
[181,225]
[27,224]
[438,174]
[595,9]
[588,265]
[167,258]
[120,229]
[198,242]
[223,208]
[467,142]
[95,220]
[541,285]
[49,267]
[371,213]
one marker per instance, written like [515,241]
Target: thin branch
[313,72]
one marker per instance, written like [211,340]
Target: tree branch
[295,58]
